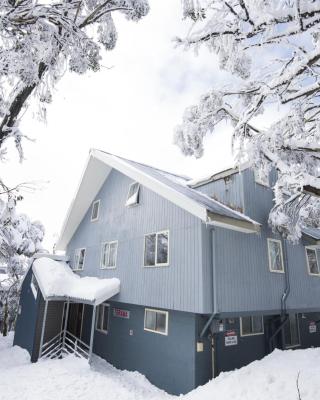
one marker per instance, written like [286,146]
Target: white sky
[129,110]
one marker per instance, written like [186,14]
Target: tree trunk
[5,319]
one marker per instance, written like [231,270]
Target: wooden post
[92,332]
[43,327]
[65,324]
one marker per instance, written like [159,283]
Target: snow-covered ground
[273,378]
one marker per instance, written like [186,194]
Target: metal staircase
[64,343]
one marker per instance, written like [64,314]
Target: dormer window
[261,176]
[133,194]
[95,210]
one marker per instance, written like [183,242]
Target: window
[291,332]
[133,194]
[79,257]
[109,254]
[102,318]
[312,261]
[156,249]
[156,321]
[34,286]
[261,176]
[251,325]
[95,210]
[275,255]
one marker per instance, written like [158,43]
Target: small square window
[95,210]
[251,325]
[312,261]
[156,321]
[133,194]
[261,176]
[79,257]
[102,318]
[109,254]
[156,249]
[275,255]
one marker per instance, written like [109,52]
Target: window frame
[258,180]
[138,202]
[34,285]
[101,256]
[166,313]
[156,249]
[104,305]
[308,265]
[84,258]
[92,208]
[269,256]
[252,334]
[296,317]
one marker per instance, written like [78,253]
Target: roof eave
[233,223]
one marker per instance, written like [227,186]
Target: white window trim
[287,347]
[33,288]
[252,334]
[308,265]
[135,204]
[269,257]
[104,305]
[158,311]
[156,252]
[92,208]
[84,258]
[258,180]
[102,250]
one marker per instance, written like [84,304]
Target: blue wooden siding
[183,285]
[244,281]
[228,190]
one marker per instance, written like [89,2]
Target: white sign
[231,340]
[312,327]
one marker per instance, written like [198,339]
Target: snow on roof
[56,279]
[170,186]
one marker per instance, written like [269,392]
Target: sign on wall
[312,327]
[230,338]
[117,312]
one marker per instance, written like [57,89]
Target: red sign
[230,333]
[117,312]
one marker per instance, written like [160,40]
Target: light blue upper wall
[244,281]
[226,190]
[183,285]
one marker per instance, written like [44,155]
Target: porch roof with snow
[170,186]
[58,282]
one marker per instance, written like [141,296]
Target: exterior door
[75,319]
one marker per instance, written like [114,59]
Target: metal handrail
[78,340]
[65,343]
[51,340]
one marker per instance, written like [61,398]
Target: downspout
[286,292]
[214,285]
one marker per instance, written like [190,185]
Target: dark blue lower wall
[167,361]
[26,324]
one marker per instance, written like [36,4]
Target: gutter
[214,286]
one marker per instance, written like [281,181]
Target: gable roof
[170,186]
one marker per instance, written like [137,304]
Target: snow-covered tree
[40,41]
[19,239]
[272,50]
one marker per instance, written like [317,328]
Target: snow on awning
[57,281]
